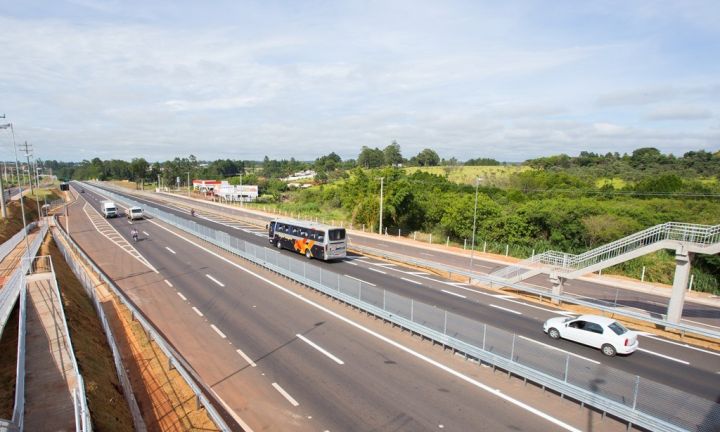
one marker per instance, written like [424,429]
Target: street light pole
[188,174]
[472,243]
[22,203]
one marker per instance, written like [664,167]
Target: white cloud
[680,113]
[467,80]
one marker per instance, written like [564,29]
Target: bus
[311,239]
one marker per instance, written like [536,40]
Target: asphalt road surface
[690,369]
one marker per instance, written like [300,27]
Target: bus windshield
[336,234]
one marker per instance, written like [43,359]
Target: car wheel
[308,254]
[554,333]
[608,350]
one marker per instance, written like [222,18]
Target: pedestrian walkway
[49,367]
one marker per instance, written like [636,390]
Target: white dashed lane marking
[182,296]
[217,330]
[215,280]
[285,394]
[454,294]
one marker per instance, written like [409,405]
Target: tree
[138,169]
[392,155]
[370,158]
[427,157]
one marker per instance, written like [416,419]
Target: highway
[690,369]
[693,313]
[284,358]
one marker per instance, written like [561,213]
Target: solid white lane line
[215,280]
[414,273]
[285,394]
[170,250]
[360,280]
[351,263]
[652,336]
[247,359]
[145,232]
[558,349]
[217,330]
[426,254]
[319,348]
[411,281]
[452,293]
[168,283]
[664,356]
[505,309]
[197,311]
[182,296]
[472,381]
[502,296]
[377,271]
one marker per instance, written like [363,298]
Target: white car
[608,335]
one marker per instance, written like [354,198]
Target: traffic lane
[478,263]
[666,371]
[503,307]
[262,315]
[652,303]
[522,326]
[187,331]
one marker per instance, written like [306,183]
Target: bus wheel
[308,255]
[278,243]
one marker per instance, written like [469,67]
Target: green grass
[615,182]
[468,174]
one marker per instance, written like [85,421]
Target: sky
[510,80]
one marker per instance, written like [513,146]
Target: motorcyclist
[134,234]
[192,212]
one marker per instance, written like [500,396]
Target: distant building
[300,175]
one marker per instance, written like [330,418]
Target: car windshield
[618,328]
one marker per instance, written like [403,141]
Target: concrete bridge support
[680,285]
[558,285]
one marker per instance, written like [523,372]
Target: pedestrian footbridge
[685,239]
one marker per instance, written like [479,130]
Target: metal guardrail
[9,245]
[567,298]
[497,281]
[11,289]
[696,235]
[176,361]
[89,286]
[637,400]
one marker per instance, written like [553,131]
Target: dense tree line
[636,166]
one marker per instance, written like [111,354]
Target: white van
[134,213]
[109,209]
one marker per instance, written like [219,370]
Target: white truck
[109,209]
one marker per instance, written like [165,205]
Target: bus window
[336,234]
[321,236]
[294,230]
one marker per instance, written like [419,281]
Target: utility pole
[27,148]
[28,153]
[382,179]
[22,205]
